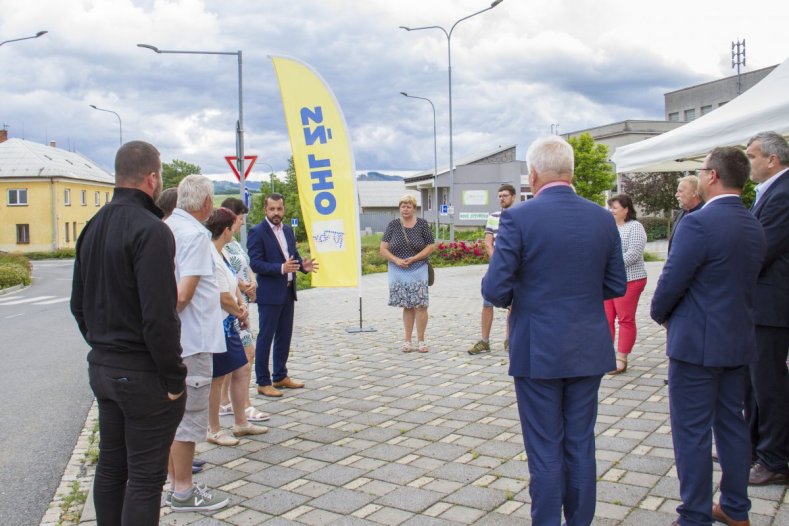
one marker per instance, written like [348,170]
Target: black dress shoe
[198,462]
[196,469]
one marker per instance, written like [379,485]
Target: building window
[106,197]
[97,199]
[673,117]
[84,198]
[74,229]
[706,109]
[68,231]
[444,196]
[430,199]
[690,115]
[17,197]
[67,197]
[22,234]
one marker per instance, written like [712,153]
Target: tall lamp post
[120,124]
[270,175]
[435,152]
[448,34]
[239,124]
[40,33]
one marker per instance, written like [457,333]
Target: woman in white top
[634,239]
[233,362]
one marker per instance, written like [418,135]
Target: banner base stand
[354,330]
[360,328]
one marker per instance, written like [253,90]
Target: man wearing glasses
[705,299]
[506,196]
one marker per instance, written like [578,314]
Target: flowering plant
[460,251]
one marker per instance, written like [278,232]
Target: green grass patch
[61,253]
[651,256]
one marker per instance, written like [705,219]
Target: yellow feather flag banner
[325,172]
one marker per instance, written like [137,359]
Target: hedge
[656,227]
[15,269]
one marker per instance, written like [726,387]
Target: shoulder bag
[431,274]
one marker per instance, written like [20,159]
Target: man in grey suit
[558,256]
[704,298]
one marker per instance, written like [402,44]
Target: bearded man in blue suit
[558,256]
[275,259]
[705,299]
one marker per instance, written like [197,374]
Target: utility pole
[738,59]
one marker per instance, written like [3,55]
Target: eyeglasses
[698,171]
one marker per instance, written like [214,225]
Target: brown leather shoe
[761,476]
[268,390]
[719,515]
[289,383]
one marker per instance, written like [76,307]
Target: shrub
[656,227]
[12,274]
[459,253]
[61,253]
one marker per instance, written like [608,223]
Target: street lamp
[448,34]
[120,124]
[239,124]
[270,176]
[435,152]
[40,33]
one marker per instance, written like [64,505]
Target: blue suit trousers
[558,418]
[276,325]
[703,401]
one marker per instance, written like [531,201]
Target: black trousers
[137,423]
[767,412]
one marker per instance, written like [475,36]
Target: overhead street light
[239,124]
[40,33]
[271,175]
[448,34]
[435,153]
[120,123]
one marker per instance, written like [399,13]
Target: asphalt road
[44,392]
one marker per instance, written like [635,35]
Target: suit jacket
[772,288]
[558,256]
[706,289]
[266,259]
[680,216]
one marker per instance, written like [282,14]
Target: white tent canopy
[764,107]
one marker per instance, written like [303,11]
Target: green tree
[653,192]
[748,193]
[593,173]
[173,172]
[290,191]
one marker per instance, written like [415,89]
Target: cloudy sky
[517,69]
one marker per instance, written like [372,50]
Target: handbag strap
[402,227]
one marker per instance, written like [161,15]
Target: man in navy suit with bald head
[705,299]
[558,256]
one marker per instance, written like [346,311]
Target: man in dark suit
[769,156]
[275,259]
[689,201]
[705,300]
[558,256]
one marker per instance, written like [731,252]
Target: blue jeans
[137,423]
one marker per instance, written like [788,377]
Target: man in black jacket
[124,300]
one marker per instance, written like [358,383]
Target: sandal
[422,347]
[406,347]
[225,410]
[253,415]
[618,370]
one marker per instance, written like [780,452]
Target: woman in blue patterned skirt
[407,245]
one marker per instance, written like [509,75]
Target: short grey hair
[551,154]
[692,180]
[772,144]
[193,190]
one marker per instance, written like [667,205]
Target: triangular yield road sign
[231,160]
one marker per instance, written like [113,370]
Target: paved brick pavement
[383,437]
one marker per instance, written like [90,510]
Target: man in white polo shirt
[201,335]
